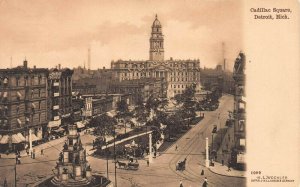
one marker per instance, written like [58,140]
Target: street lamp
[212,137]
[115,156]
[106,142]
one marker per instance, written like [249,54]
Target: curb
[226,175]
[222,174]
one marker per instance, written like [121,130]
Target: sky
[48,33]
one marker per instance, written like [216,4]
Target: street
[161,172]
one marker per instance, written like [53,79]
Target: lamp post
[115,156]
[106,159]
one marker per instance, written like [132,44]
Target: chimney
[25,63]
[59,66]
[34,67]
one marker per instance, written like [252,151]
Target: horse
[121,164]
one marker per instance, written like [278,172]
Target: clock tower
[156,42]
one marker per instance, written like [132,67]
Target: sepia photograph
[127,93]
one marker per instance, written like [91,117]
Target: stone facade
[178,74]
[144,87]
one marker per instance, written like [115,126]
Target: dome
[156,22]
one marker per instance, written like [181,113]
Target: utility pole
[115,156]
[16,175]
[106,160]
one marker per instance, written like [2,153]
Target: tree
[140,112]
[123,112]
[104,125]
[187,100]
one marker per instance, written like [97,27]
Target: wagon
[181,165]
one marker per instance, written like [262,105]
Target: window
[18,108]
[39,117]
[181,86]
[32,93]
[39,79]
[39,92]
[18,81]
[40,105]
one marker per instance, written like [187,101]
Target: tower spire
[156,52]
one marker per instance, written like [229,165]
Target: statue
[65,146]
[61,155]
[75,146]
[77,159]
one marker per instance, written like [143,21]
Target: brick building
[59,98]
[23,105]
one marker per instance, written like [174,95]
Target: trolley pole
[106,161]
[16,175]
[115,156]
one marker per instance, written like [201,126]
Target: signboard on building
[240,158]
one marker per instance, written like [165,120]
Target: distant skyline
[55,32]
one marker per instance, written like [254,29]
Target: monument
[72,168]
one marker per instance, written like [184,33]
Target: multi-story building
[238,150]
[59,98]
[232,148]
[144,87]
[23,105]
[178,74]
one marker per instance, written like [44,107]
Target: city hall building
[178,74]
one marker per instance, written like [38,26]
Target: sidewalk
[223,170]
[44,146]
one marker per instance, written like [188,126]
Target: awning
[4,139]
[21,137]
[111,113]
[19,121]
[17,138]
[79,125]
[52,124]
[33,105]
[19,94]
[34,137]
[60,129]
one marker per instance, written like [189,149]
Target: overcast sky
[48,32]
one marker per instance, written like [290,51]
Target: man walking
[176,148]
[205,184]
[229,164]
[180,184]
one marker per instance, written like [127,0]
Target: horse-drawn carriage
[181,165]
[129,165]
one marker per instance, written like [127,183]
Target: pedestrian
[222,162]
[42,151]
[202,172]
[148,163]
[229,165]
[180,184]
[205,183]
[27,151]
[5,182]
[176,148]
